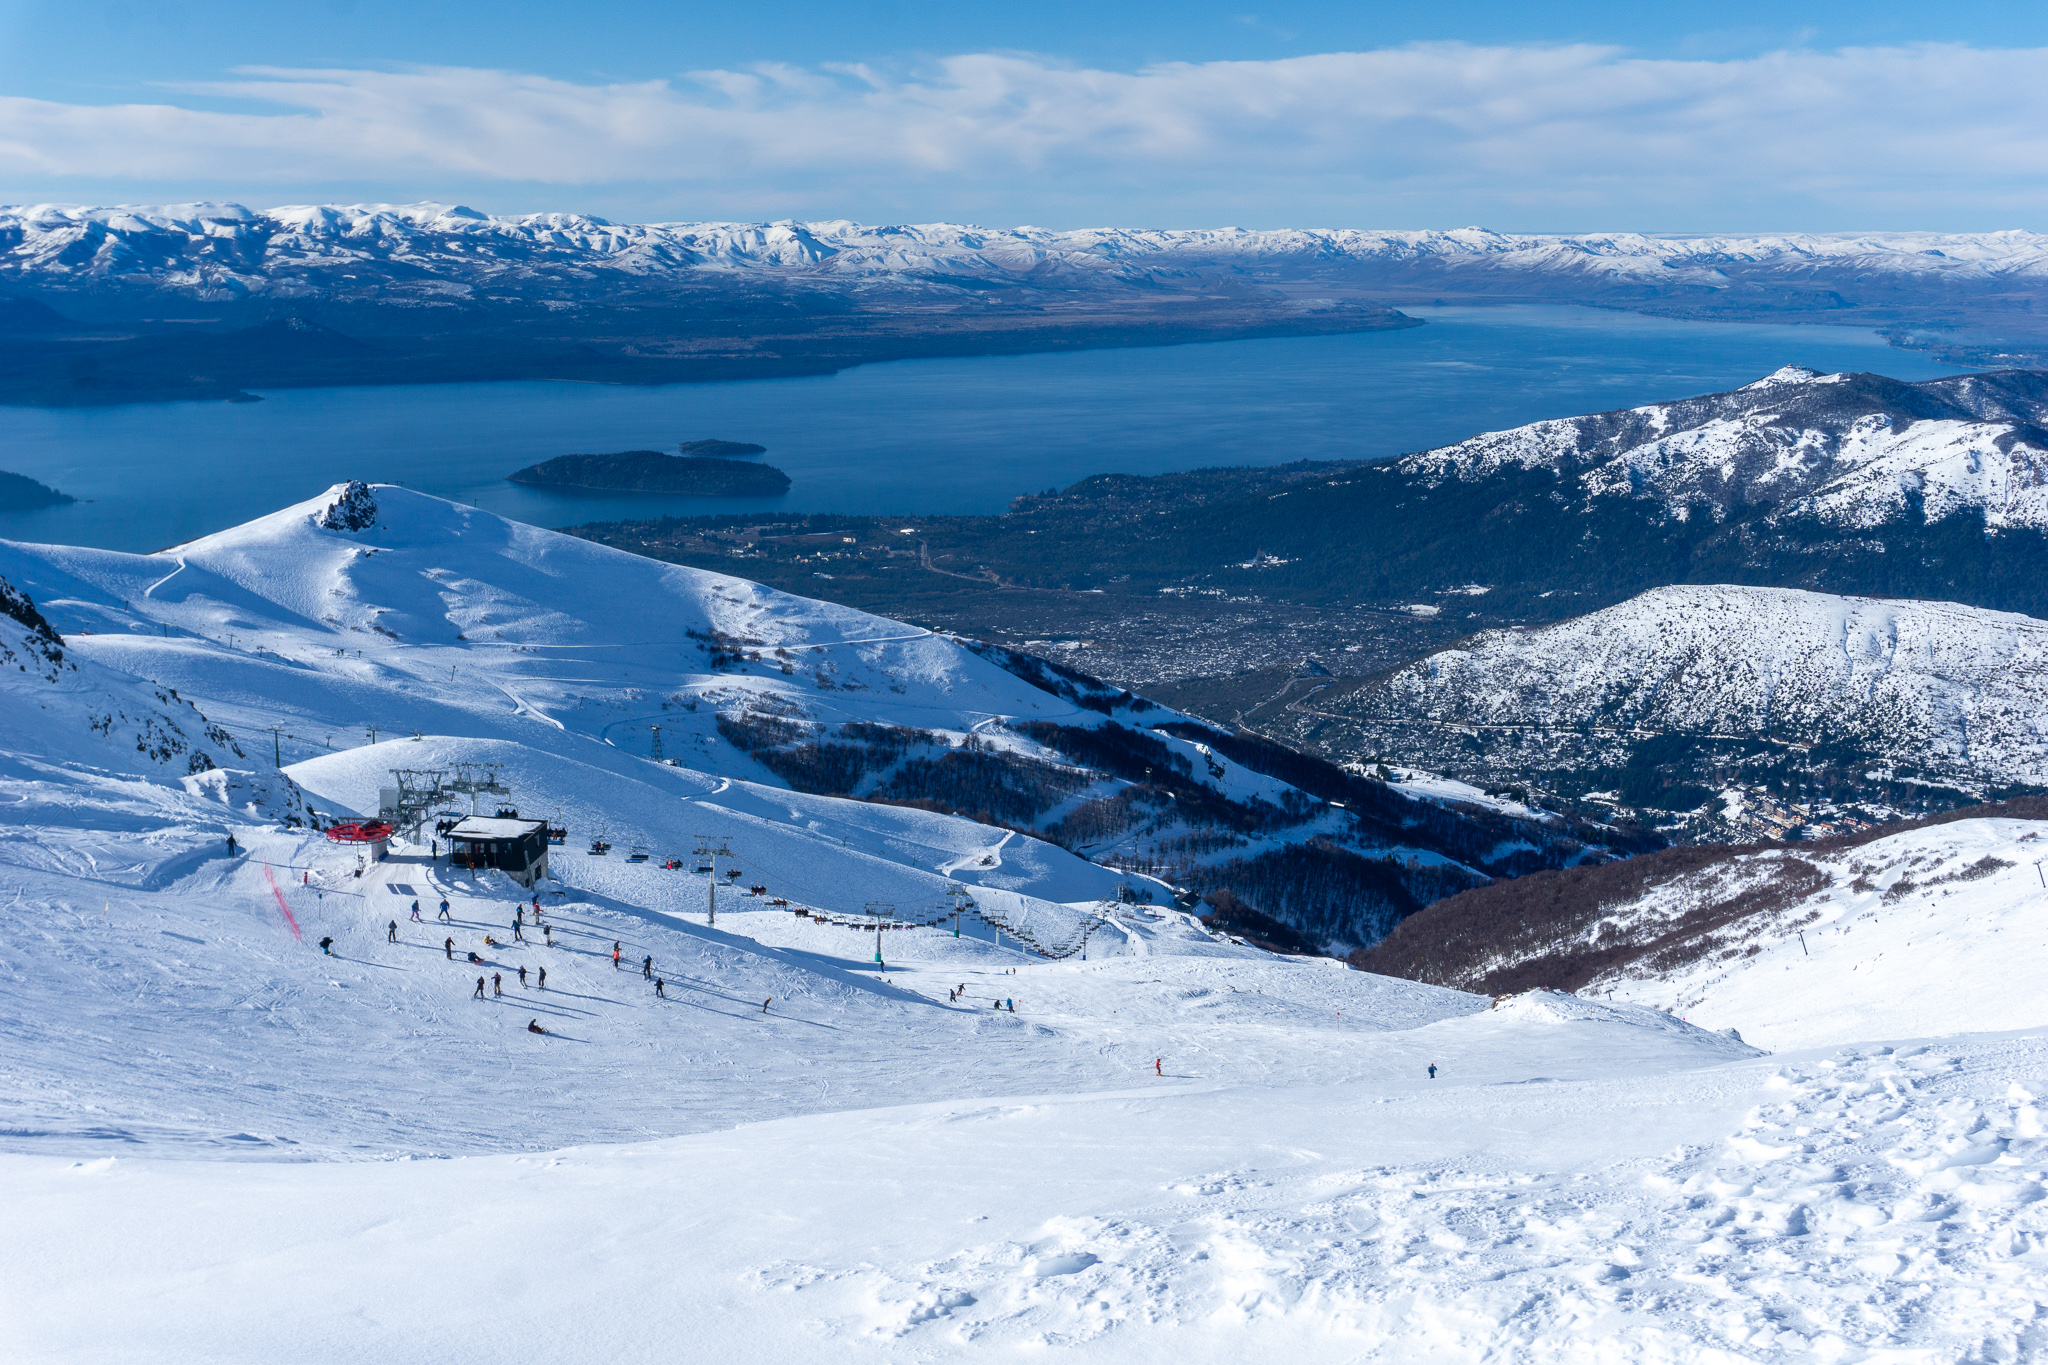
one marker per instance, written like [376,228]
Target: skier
[766,1003]
[518,932]
[615,954]
[1157,1063]
[543,978]
[416,912]
[548,932]
[1432,1070]
[448,947]
[391,932]
[479,989]
[1010,1005]
[522,974]
[497,983]
[647,967]
[327,946]
[231,845]
[444,908]
[518,916]
[660,989]
[533,1026]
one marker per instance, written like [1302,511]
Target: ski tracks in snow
[1885,1204]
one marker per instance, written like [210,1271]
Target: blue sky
[1593,117]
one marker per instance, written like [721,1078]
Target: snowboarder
[615,954]
[518,916]
[660,989]
[231,845]
[497,983]
[518,932]
[522,975]
[647,967]
[1009,1005]
[416,912]
[479,989]
[766,1003]
[1157,1063]
[533,1026]
[448,947]
[444,908]
[1432,1070]
[391,932]
[327,946]
[548,932]
[543,978]
[474,960]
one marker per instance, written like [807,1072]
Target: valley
[1305,600]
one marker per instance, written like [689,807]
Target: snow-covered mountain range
[1851,451]
[447,251]
[1727,679]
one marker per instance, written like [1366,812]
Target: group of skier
[1001,1002]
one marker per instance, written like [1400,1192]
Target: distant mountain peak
[1852,450]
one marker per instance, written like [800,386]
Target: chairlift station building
[517,848]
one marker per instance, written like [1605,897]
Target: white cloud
[1862,130]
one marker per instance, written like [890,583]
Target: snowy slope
[434,618]
[219,1143]
[447,253]
[1920,931]
[1847,450]
[58,707]
[1934,931]
[1954,693]
[879,1172]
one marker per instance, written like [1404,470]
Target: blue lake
[924,436]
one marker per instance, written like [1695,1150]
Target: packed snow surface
[252,1110]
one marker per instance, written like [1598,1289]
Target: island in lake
[19,493]
[651,471]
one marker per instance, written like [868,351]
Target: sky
[1585,117]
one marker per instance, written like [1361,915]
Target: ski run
[220,1141]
